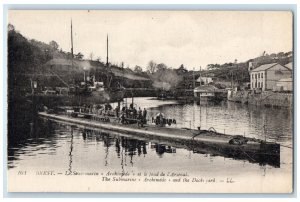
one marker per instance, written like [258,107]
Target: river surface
[47,145]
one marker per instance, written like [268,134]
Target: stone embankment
[266,98]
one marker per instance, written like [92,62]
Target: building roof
[264,67]
[289,65]
[205,88]
[67,62]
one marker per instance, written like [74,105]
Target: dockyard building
[265,77]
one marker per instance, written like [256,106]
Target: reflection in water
[107,142]
[129,147]
[84,135]
[161,149]
[118,148]
[31,133]
[124,146]
[70,153]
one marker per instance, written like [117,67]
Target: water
[48,145]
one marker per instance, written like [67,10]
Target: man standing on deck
[134,113]
[126,112]
[140,117]
[140,113]
[144,115]
[117,111]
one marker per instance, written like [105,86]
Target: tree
[10,27]
[181,69]
[287,54]
[98,59]
[54,45]
[213,66]
[280,54]
[152,67]
[138,69]
[181,66]
[161,66]
[79,56]
[273,55]
[91,56]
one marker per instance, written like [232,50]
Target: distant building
[205,91]
[204,80]
[265,76]
[251,65]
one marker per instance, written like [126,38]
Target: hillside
[31,60]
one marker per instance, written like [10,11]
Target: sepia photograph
[150,101]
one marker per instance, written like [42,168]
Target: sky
[192,38]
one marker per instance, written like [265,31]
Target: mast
[72,42]
[231,79]
[72,52]
[194,78]
[109,77]
[107,51]
[200,97]
[200,75]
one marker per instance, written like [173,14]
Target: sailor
[126,111]
[117,110]
[160,118]
[144,115]
[108,106]
[100,110]
[122,118]
[134,112]
[140,118]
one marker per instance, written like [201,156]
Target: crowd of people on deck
[125,115]
[106,110]
[132,114]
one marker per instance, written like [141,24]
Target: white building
[204,80]
[205,91]
[265,76]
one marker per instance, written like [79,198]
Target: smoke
[161,85]
[84,65]
[165,79]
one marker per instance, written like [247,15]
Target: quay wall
[265,98]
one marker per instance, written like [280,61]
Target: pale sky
[192,38]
